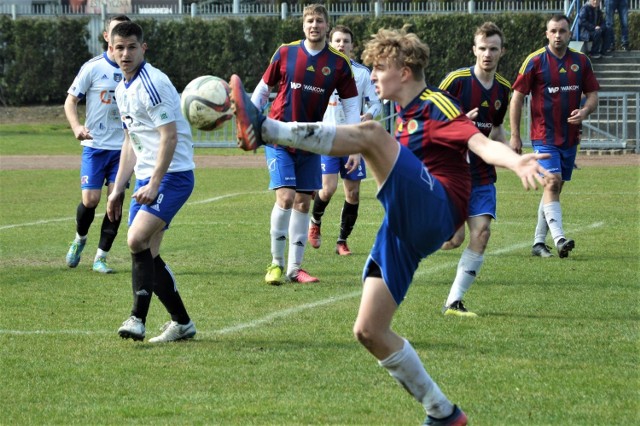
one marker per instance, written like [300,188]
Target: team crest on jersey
[497,104]
[412,126]
[326,70]
[575,67]
[117,77]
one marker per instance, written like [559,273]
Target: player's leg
[540,247]
[349,213]
[560,165]
[147,226]
[298,234]
[108,230]
[373,330]
[482,209]
[165,287]
[455,241]
[91,181]
[330,167]
[282,177]
[369,138]
[308,180]
[144,230]
[469,265]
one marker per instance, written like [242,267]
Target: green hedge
[40,57]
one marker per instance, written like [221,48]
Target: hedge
[40,57]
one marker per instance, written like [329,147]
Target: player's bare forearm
[71,112]
[125,167]
[168,142]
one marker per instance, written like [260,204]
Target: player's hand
[529,170]
[353,163]
[114,206]
[516,143]
[145,194]
[577,116]
[366,117]
[473,114]
[82,133]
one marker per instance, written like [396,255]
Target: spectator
[591,28]
[622,6]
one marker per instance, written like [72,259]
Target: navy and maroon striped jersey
[307,81]
[434,128]
[556,86]
[492,105]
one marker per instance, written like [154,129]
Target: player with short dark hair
[484,95]
[423,184]
[158,147]
[350,167]
[101,138]
[557,77]
[306,72]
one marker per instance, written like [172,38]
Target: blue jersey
[434,128]
[492,104]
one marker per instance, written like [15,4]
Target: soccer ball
[205,102]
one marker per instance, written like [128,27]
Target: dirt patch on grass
[55,115]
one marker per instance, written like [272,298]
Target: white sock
[468,268]
[100,253]
[541,227]
[553,213]
[298,234]
[279,231]
[80,238]
[314,137]
[406,368]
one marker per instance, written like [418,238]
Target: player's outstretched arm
[498,154]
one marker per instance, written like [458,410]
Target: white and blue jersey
[96,83]
[369,103]
[147,102]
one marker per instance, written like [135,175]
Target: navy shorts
[419,217]
[298,169]
[335,165]
[174,191]
[483,201]
[561,160]
[99,167]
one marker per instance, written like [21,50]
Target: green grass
[556,341]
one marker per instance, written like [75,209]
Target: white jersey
[96,81]
[147,102]
[367,97]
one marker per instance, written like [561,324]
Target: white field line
[193,203]
[284,313]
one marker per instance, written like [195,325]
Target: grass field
[556,342]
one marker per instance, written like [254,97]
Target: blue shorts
[483,201]
[335,165]
[561,160]
[299,169]
[99,167]
[419,217]
[174,191]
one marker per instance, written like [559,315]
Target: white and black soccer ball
[205,102]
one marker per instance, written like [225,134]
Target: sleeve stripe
[526,61]
[443,104]
[503,81]
[444,85]
[149,87]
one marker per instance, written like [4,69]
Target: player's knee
[364,335]
[553,183]
[135,243]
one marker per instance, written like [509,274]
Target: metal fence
[615,124]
